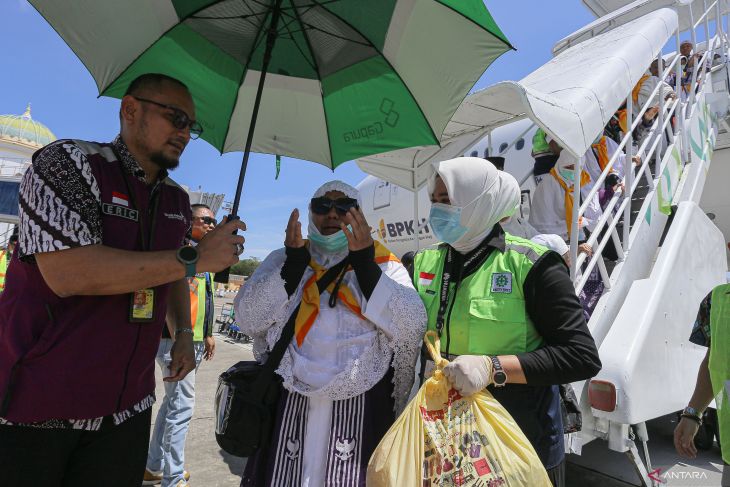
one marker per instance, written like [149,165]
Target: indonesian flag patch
[120,199]
[425,279]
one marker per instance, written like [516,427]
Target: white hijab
[320,255]
[551,241]
[485,194]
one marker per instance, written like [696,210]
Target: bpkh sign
[401,228]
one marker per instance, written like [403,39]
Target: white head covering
[564,160]
[485,194]
[551,241]
[320,255]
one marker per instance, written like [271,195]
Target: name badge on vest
[142,306]
[502,282]
[120,211]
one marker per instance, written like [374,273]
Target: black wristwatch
[499,376]
[691,413]
[188,256]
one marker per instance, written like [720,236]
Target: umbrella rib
[395,71]
[256,44]
[504,40]
[312,27]
[301,22]
[296,44]
[228,17]
[145,50]
[319,78]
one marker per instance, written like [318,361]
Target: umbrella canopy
[346,78]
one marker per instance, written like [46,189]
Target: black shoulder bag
[248,392]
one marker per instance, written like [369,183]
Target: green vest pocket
[497,326]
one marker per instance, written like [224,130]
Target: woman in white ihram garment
[349,368]
[552,204]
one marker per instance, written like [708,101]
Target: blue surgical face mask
[445,221]
[567,174]
[330,244]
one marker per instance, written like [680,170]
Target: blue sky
[39,68]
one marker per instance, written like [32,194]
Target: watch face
[500,377]
[188,254]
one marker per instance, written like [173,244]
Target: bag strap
[272,362]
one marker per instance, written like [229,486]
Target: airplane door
[381,195]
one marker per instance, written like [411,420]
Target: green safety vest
[197,305]
[3,268]
[488,315]
[539,144]
[719,363]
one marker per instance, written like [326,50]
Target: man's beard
[164,162]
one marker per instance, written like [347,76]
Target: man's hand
[469,374]
[183,357]
[209,343]
[684,435]
[636,160]
[360,237]
[219,249]
[294,238]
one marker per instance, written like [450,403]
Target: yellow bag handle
[434,349]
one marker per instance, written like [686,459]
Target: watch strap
[693,414]
[190,269]
[498,371]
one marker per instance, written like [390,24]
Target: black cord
[333,296]
[448,314]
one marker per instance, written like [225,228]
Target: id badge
[142,306]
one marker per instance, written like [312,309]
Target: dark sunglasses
[323,205]
[207,220]
[180,120]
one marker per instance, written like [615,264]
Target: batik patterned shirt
[701,329]
[60,207]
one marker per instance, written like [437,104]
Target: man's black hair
[151,81]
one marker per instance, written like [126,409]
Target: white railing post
[489,143]
[628,171]
[660,127]
[707,25]
[574,227]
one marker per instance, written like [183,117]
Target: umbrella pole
[270,41]
[222,276]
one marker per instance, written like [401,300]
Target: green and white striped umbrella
[347,78]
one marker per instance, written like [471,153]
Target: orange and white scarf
[568,190]
[309,308]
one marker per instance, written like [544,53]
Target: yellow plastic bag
[443,439]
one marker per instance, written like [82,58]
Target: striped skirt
[356,426]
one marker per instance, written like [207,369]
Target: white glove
[469,373]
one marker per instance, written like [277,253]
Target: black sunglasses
[207,220]
[180,120]
[323,205]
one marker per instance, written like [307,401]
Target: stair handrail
[678,109]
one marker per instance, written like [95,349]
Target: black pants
[557,475]
[114,456]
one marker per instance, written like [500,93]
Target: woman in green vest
[505,307]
